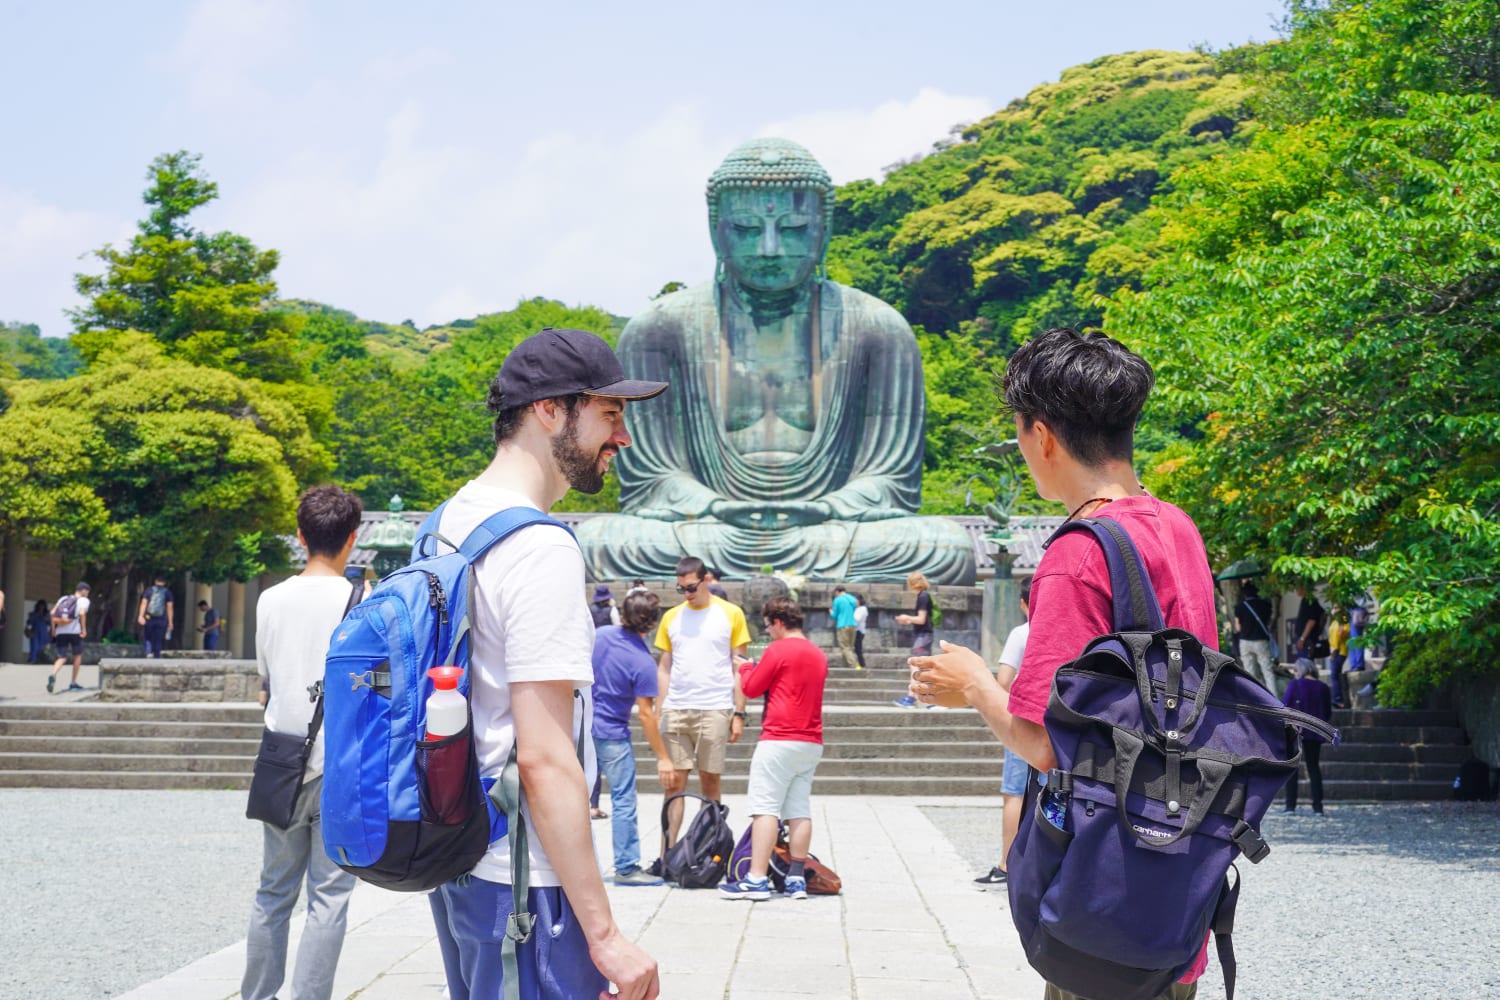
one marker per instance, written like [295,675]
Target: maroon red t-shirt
[793,672]
[1070,594]
[1071,602]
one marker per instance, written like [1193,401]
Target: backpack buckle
[518,926]
[1250,843]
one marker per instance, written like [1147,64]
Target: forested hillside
[1028,221]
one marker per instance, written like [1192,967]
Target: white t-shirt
[74,627]
[861,615]
[700,641]
[1015,646]
[531,623]
[294,622]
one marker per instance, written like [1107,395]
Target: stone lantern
[391,540]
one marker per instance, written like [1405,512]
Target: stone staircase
[104,745]
[871,747]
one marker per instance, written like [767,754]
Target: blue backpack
[1168,756]
[377,821]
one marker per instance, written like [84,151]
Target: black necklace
[1086,503]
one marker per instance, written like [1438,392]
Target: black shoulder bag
[282,759]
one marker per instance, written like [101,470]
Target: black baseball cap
[556,363]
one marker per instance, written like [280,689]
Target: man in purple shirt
[625,676]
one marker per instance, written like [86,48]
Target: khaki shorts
[696,737]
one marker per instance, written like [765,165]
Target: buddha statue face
[770,239]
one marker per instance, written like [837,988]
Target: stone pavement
[908,924]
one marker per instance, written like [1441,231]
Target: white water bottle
[444,755]
[447,710]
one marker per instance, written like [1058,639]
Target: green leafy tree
[424,432]
[208,296]
[25,353]
[1325,310]
[145,461]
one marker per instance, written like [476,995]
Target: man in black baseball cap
[559,404]
[555,363]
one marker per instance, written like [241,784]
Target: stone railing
[178,679]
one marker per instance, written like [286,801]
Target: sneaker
[992,877]
[909,701]
[796,888]
[654,868]
[755,890]
[76,687]
[50,682]
[637,876]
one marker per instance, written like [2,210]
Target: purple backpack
[1168,756]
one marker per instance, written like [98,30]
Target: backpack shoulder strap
[1135,606]
[429,530]
[498,527]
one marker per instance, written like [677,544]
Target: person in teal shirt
[843,624]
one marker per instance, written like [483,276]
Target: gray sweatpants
[290,855]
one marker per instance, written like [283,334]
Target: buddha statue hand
[762,515]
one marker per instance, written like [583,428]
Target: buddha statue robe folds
[792,434]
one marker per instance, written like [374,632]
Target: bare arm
[559,801]
[651,726]
[1005,676]
[737,723]
[664,767]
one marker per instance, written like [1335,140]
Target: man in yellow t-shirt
[703,708]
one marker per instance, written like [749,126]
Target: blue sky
[436,161]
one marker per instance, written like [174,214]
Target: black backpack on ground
[700,857]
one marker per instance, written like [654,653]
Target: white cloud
[435,226]
[41,253]
[857,143]
[224,42]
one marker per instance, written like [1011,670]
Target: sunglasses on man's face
[688,588]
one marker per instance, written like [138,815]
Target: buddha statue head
[770,209]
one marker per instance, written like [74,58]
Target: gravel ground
[1391,901]
[111,889]
[107,890]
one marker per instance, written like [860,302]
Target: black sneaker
[992,877]
[654,868]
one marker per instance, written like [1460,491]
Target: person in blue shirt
[842,613]
[625,677]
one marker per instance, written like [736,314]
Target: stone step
[1398,753]
[124,762]
[152,745]
[167,780]
[1439,735]
[43,728]
[1392,717]
[205,712]
[1382,771]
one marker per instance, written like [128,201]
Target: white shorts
[781,774]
